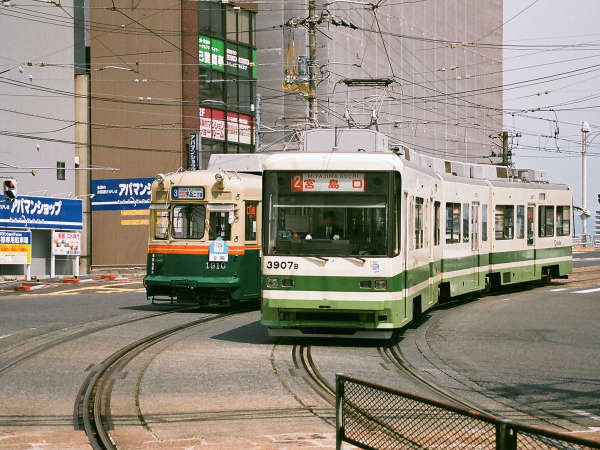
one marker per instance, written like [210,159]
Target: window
[219,225]
[545,221]
[563,220]
[60,170]
[465,222]
[161,224]
[436,223]
[232,91]
[251,210]
[418,222]
[520,222]
[505,216]
[484,222]
[244,27]
[305,217]
[189,221]
[452,223]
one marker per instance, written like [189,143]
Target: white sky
[551,22]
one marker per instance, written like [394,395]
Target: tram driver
[329,230]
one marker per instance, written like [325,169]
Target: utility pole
[312,58]
[585,129]
[506,159]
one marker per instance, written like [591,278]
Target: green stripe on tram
[421,274]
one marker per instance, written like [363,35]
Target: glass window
[563,220]
[244,27]
[505,216]
[418,222]
[327,214]
[484,222]
[436,223]
[161,224]
[520,222]
[60,170]
[465,222]
[530,229]
[545,221]
[251,210]
[219,225]
[189,221]
[232,92]
[216,18]
[231,19]
[452,223]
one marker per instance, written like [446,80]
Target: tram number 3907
[216,265]
[282,265]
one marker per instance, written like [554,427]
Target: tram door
[475,239]
[530,224]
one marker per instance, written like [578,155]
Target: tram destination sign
[187,193]
[328,182]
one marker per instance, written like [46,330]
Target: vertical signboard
[15,247]
[211,52]
[245,129]
[232,127]
[194,163]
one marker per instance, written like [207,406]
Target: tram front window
[328,214]
[189,221]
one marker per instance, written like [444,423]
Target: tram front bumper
[190,282]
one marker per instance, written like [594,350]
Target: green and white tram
[204,243]
[359,240]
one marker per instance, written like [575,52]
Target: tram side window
[418,222]
[452,223]
[251,208]
[520,222]
[161,224]
[505,226]
[219,225]
[563,220]
[436,223]
[189,221]
[545,221]
[465,222]
[484,222]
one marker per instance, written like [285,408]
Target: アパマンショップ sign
[328,182]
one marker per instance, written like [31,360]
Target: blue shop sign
[121,193]
[41,212]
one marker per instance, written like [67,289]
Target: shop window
[563,220]
[505,227]
[244,27]
[60,170]
[231,24]
[232,92]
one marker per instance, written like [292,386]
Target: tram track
[10,363]
[94,395]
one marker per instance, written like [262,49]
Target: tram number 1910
[282,265]
[216,265]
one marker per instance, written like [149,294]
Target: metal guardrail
[371,416]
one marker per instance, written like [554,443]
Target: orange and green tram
[204,238]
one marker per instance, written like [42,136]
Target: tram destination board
[187,193]
[328,182]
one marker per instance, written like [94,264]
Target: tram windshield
[328,214]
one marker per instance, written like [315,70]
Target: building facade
[37,141]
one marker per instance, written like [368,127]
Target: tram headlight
[381,284]
[272,283]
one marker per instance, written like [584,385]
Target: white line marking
[6,335]
[585,414]
[587,291]
[589,430]
[558,289]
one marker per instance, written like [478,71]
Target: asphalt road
[586,259]
[529,355]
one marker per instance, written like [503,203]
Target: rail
[372,416]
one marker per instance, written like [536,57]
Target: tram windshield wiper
[319,257]
[359,258]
